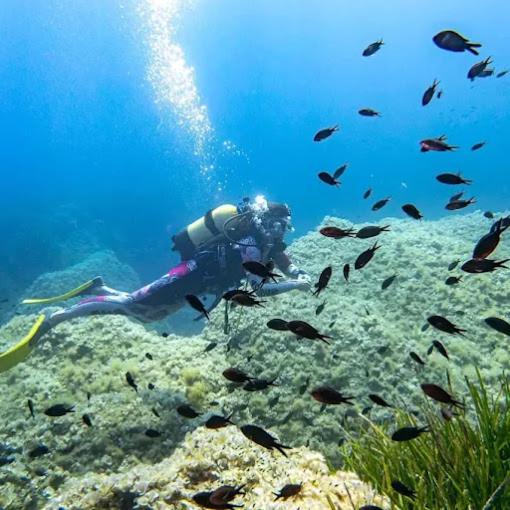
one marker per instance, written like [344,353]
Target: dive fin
[72,293]
[19,352]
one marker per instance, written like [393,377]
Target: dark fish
[368,112]
[236,375]
[38,451]
[365,257]
[187,411]
[328,395]
[328,179]
[59,410]
[477,146]
[152,433]
[376,399]
[340,170]
[320,308]
[31,407]
[483,265]
[439,94]
[459,204]
[210,346]
[130,380]
[367,193]
[222,495]
[478,68]
[453,265]
[258,384]
[148,355]
[489,215]
[444,325]
[337,233]
[448,178]
[164,335]
[408,433]
[412,211]
[331,324]
[246,300]
[325,133]
[429,93]
[498,324]
[231,293]
[217,422]
[304,386]
[87,420]
[399,487]
[437,393]
[323,280]
[437,145]
[440,348]
[155,412]
[206,499]
[416,358]
[425,326]
[370,507]
[453,280]
[372,48]
[502,73]
[289,490]
[346,270]
[277,324]
[261,437]
[380,204]
[452,41]
[303,329]
[489,242]
[151,386]
[456,197]
[386,283]
[371,231]
[196,304]
[489,71]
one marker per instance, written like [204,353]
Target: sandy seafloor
[373,333]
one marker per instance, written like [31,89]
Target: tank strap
[209,223]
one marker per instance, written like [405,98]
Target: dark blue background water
[84,146]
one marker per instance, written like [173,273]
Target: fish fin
[280,448]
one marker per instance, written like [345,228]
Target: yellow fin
[72,293]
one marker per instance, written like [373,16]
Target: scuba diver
[212,249]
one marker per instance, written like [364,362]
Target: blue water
[85,145]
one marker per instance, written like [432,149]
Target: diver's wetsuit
[213,271]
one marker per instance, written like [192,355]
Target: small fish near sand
[324,278]
[412,211]
[443,324]
[403,489]
[500,325]
[236,375]
[305,330]
[483,265]
[371,231]
[59,410]
[408,433]
[197,304]
[438,394]
[388,282]
[288,491]
[187,411]
[131,381]
[329,396]
[217,421]
[376,399]
[259,436]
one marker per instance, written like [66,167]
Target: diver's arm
[272,289]
[290,270]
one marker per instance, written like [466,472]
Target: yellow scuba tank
[204,232]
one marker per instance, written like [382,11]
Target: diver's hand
[304,282]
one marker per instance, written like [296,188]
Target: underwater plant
[462,462]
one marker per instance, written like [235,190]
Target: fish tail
[280,448]
[471,47]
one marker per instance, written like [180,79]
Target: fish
[408,433]
[459,204]
[164,334]
[416,358]
[210,346]
[443,324]
[399,487]
[498,324]
[337,233]
[31,408]
[449,178]
[224,494]
[187,411]
[370,507]
[152,433]
[328,179]
[204,500]
[453,265]
[289,490]
[365,257]
[217,422]
[483,265]
[372,48]
[87,420]
[376,399]
[380,204]
[452,41]
[440,348]
[489,242]
[346,271]
[325,133]
[261,437]
[330,396]
[477,146]
[456,197]
[386,283]
[155,412]
[324,278]
[196,304]
[371,231]
[236,375]
[231,293]
[412,211]
[478,68]
[130,380]
[258,384]
[440,395]
[260,270]
[367,193]
[489,71]
[89,396]
[489,215]
[303,329]
[38,451]
[453,280]
[437,144]
[340,170]
[277,324]
[429,93]
[320,308]
[148,355]
[59,410]
[368,112]
[439,94]
[246,300]
[151,386]
[502,73]
[304,386]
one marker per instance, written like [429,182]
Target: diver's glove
[304,281]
